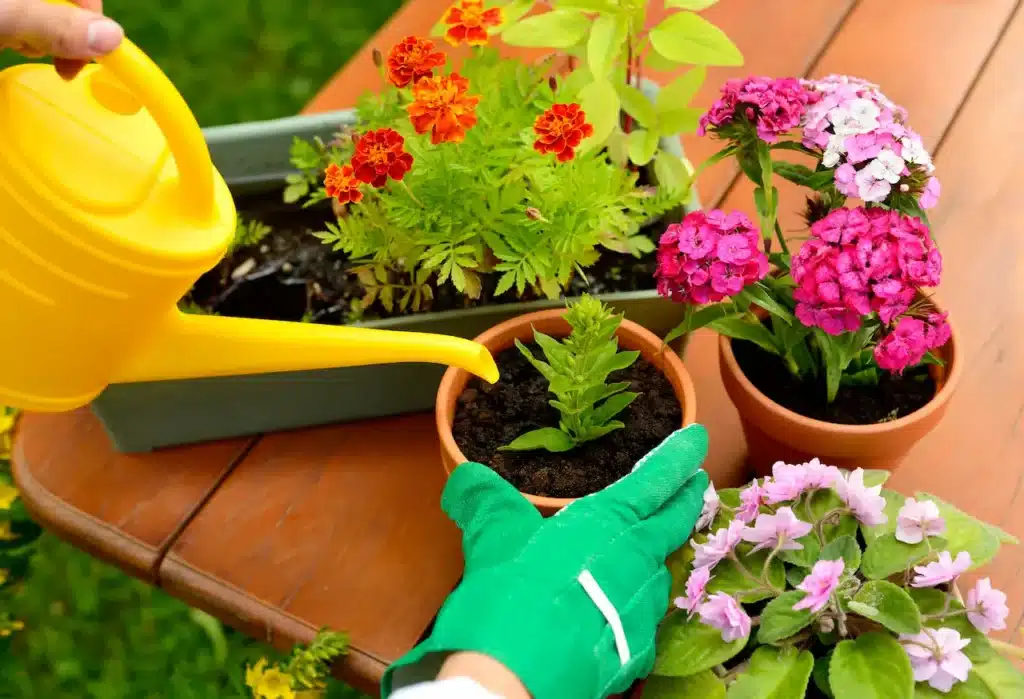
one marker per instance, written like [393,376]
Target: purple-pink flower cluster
[864,136]
[911,340]
[772,106]
[708,257]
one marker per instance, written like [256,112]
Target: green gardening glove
[569,604]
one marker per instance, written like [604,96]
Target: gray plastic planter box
[145,416]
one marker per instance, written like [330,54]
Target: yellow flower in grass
[7,420]
[8,494]
[5,532]
[268,682]
[9,627]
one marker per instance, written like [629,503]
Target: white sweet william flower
[913,151]
[856,117]
[887,166]
[834,151]
[869,187]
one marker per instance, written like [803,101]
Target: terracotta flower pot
[631,337]
[775,433]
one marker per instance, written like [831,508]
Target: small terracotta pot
[502,336]
[775,433]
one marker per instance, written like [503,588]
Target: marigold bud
[378,58]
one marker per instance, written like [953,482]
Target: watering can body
[110,209]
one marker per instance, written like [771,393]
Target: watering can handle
[154,91]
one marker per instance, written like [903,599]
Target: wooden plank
[775,40]
[337,526]
[122,508]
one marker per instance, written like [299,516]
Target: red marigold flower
[411,59]
[468,21]
[560,130]
[340,183]
[379,155]
[442,107]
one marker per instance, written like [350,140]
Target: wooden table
[339,526]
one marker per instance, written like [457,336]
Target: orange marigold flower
[411,59]
[341,184]
[442,107]
[468,21]
[379,155]
[560,130]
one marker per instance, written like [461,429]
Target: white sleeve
[453,688]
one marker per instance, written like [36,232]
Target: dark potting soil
[292,275]
[894,397]
[490,416]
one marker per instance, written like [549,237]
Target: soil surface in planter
[292,275]
[894,397]
[491,416]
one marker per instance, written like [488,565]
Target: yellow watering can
[110,209]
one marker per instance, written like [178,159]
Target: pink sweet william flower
[930,195]
[944,570]
[777,531]
[918,520]
[751,499]
[820,584]
[905,346]
[937,657]
[724,613]
[696,585]
[708,257]
[718,546]
[866,504]
[772,107]
[711,505]
[986,607]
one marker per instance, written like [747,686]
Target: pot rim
[455,381]
[954,368]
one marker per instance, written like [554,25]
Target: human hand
[570,604]
[72,35]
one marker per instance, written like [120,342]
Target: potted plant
[836,347]
[304,674]
[483,212]
[816,582]
[571,413]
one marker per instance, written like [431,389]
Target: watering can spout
[191,346]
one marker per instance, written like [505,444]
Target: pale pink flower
[930,195]
[788,482]
[696,584]
[711,505]
[777,531]
[917,520]
[820,584]
[866,504]
[819,476]
[937,657]
[725,614]
[986,607]
[944,570]
[751,499]
[718,546]
[870,187]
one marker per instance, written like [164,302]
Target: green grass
[92,632]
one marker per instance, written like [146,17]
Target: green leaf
[607,37]
[688,38]
[294,192]
[875,476]
[820,675]
[845,547]
[760,296]
[558,29]
[874,666]
[741,328]
[893,503]
[642,144]
[600,101]
[512,13]
[774,674]
[679,121]
[687,647]
[637,105]
[973,688]
[895,609]
[612,407]
[779,620]
[703,685]
[886,556]
[730,579]
[671,173]
[803,557]
[549,438]
[695,5]
[1001,677]
[965,533]
[681,91]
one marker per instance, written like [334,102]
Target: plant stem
[762,586]
[627,124]
[819,528]
[768,563]
[943,615]
[409,192]
[1007,648]
[782,239]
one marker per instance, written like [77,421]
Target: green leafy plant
[820,582]
[304,674]
[248,233]
[610,40]
[577,370]
[18,533]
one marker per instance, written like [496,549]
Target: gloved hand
[569,604]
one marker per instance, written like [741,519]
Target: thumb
[61,30]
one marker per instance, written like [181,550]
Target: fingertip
[103,36]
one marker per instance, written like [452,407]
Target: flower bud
[826,624]
[378,58]
[904,187]
[535,214]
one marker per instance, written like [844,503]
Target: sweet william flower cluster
[853,298]
[826,562]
